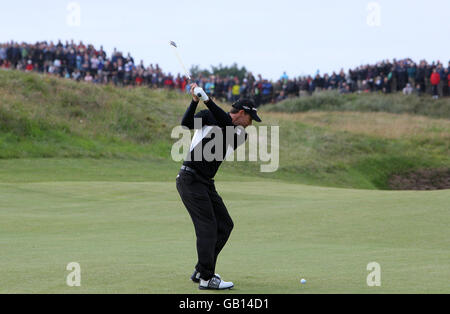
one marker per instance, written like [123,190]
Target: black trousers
[435,90]
[212,223]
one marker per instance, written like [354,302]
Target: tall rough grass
[42,116]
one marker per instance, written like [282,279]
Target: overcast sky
[268,37]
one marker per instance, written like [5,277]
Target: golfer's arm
[219,114]
[188,118]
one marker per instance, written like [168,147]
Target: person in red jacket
[139,80]
[183,83]
[29,66]
[435,80]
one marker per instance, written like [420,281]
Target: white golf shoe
[196,276]
[215,283]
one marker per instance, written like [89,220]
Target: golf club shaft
[180,61]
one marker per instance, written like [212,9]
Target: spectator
[418,90]
[345,88]
[267,91]
[29,66]
[236,91]
[281,96]
[76,75]
[420,77]
[5,65]
[446,82]
[386,86]
[284,78]
[139,80]
[209,87]
[411,70]
[88,78]
[2,53]
[85,62]
[408,90]
[435,79]
[244,91]
[378,84]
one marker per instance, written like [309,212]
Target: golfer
[195,182]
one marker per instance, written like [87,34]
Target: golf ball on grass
[303,281]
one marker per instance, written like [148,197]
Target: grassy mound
[42,116]
[46,117]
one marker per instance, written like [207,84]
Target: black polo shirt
[213,121]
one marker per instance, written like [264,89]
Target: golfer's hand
[194,97]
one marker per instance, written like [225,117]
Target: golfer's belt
[188,169]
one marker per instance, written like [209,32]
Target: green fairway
[131,233]
[86,176]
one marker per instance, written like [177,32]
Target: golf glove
[201,94]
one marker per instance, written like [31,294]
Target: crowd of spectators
[82,62]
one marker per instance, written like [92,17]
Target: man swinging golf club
[195,182]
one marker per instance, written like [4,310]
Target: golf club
[175,49]
[198,91]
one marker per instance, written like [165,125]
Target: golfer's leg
[195,197]
[224,222]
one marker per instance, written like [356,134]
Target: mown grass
[366,102]
[45,117]
[378,124]
[137,237]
